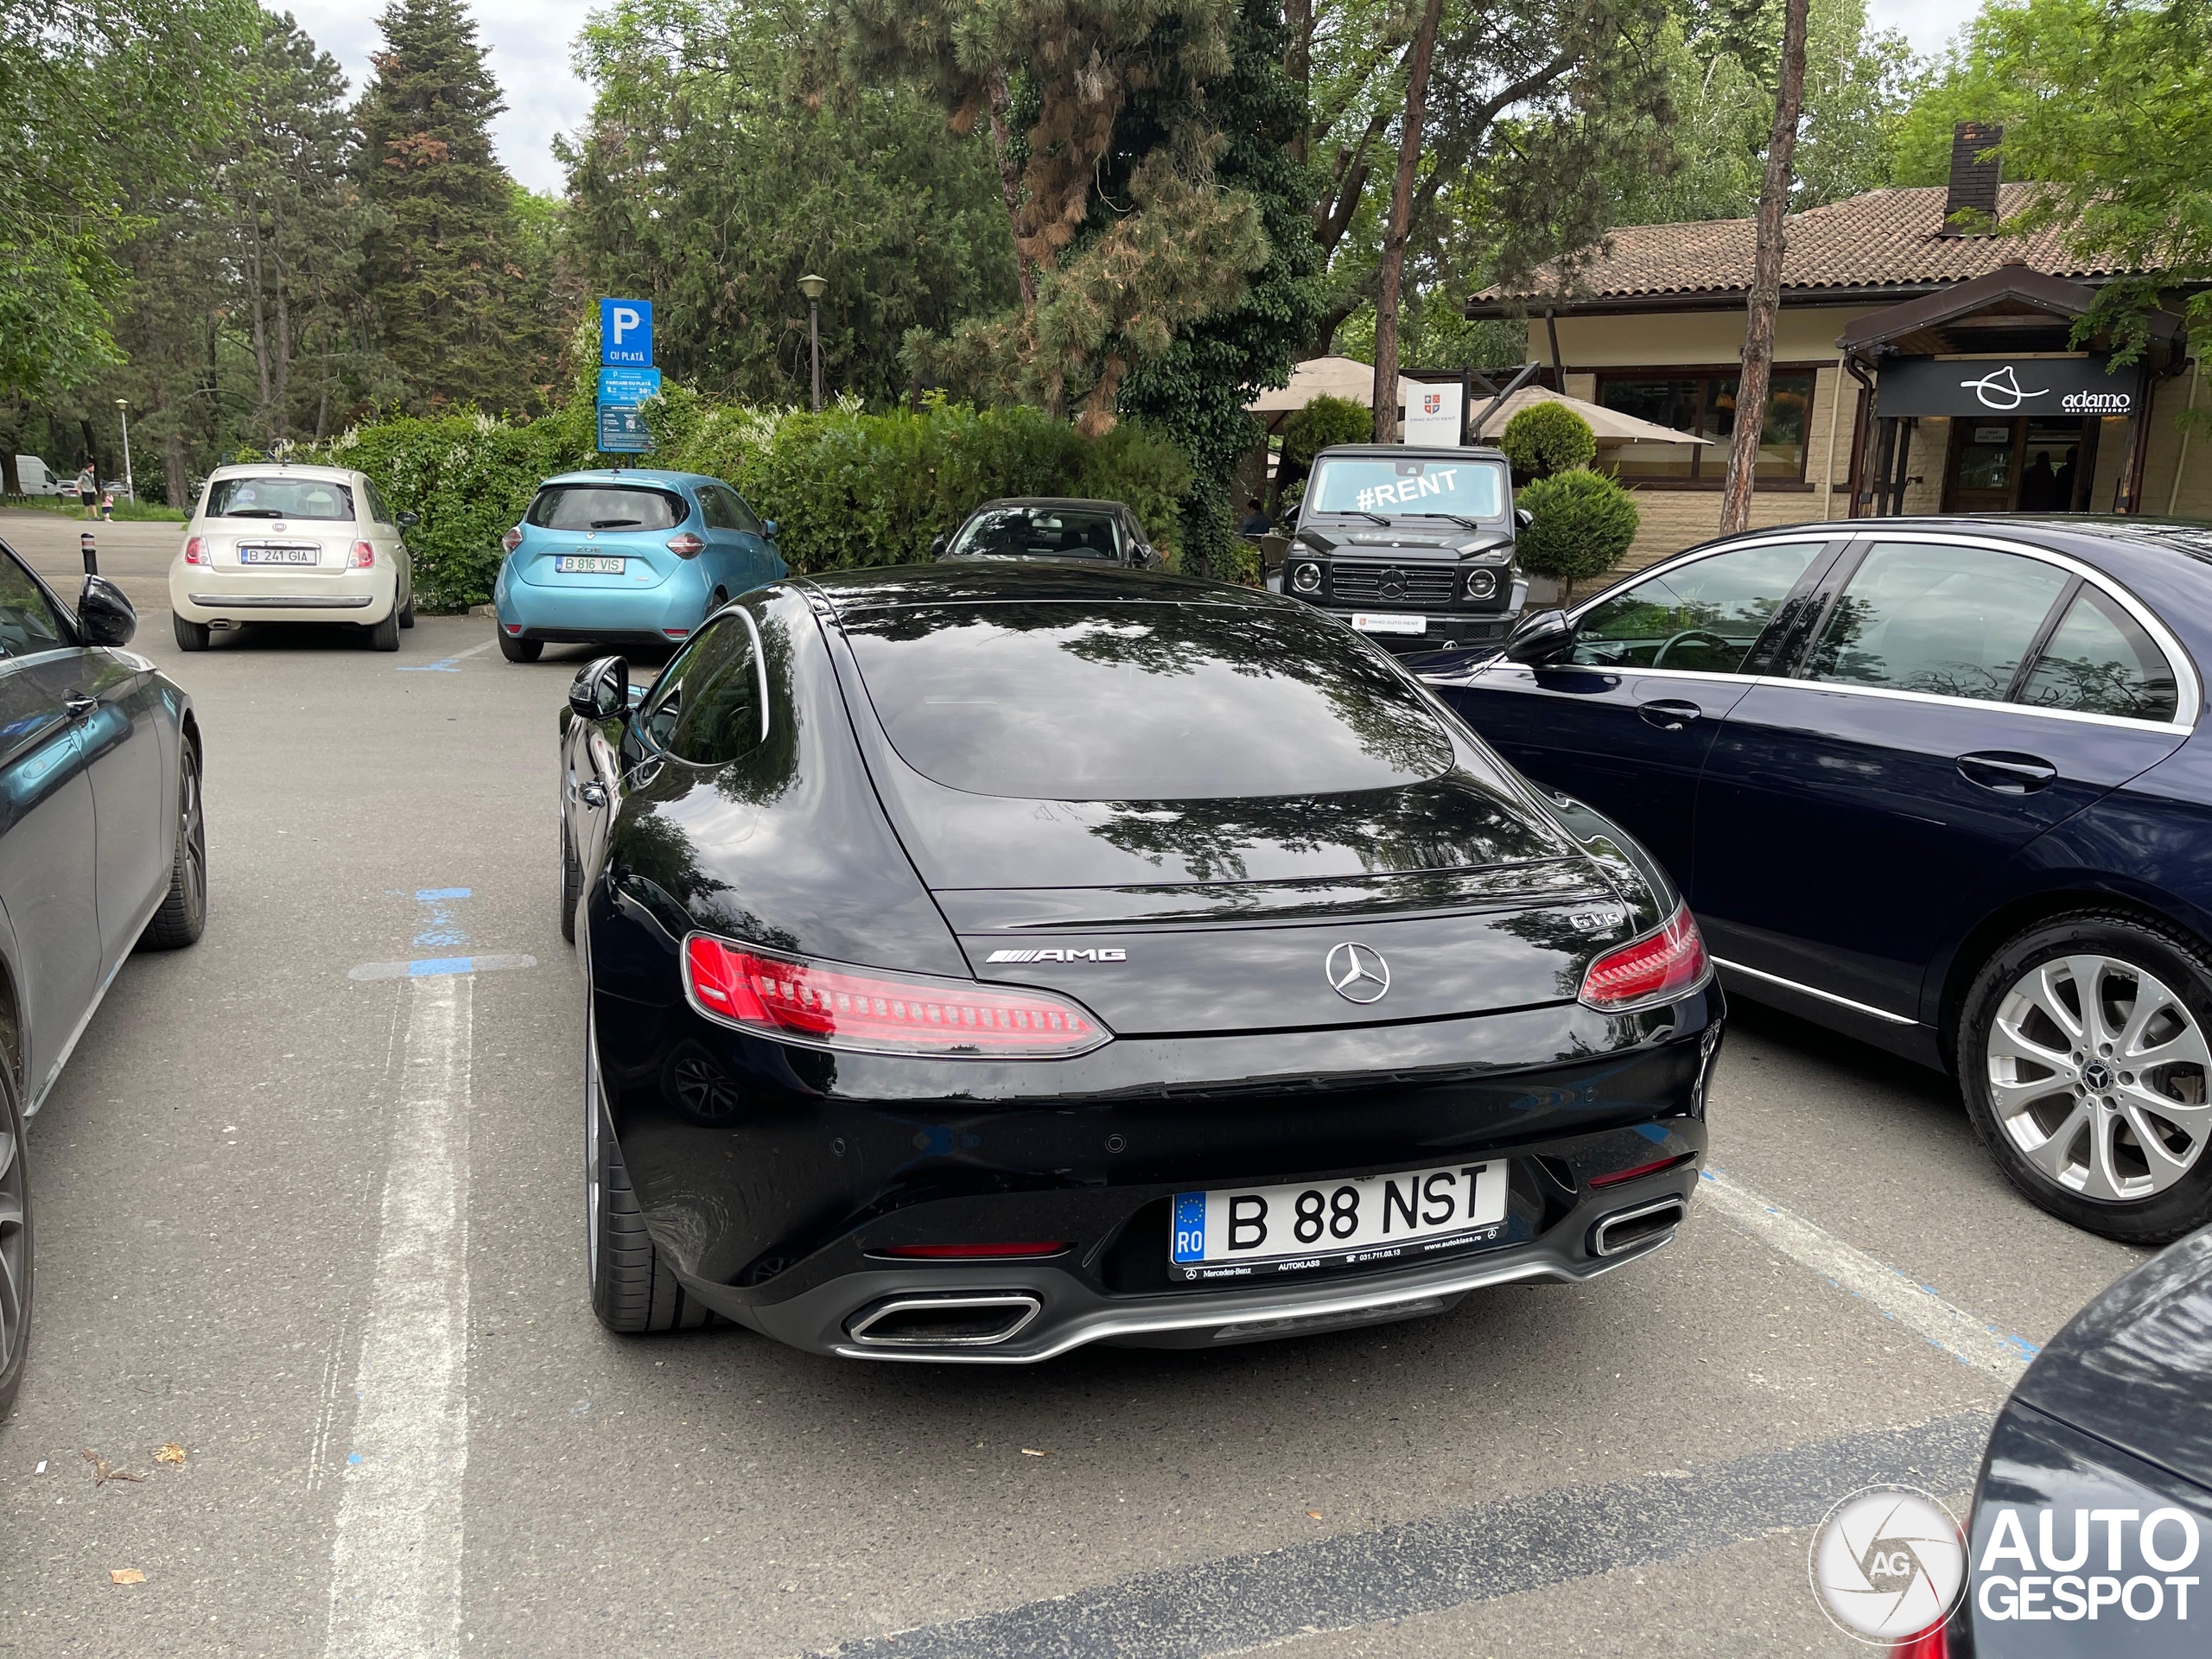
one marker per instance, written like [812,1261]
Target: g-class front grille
[1394,585]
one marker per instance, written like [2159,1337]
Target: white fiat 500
[273,542]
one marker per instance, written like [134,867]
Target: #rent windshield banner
[2038,388]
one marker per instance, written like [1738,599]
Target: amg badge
[1058,956]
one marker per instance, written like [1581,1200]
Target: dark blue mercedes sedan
[1936,783]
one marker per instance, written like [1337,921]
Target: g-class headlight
[1481,584]
[1306,578]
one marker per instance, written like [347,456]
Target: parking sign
[625,332]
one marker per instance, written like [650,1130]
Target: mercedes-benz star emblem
[1391,584]
[1358,974]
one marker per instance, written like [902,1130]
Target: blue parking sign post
[626,348]
[626,333]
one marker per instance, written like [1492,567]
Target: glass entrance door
[1984,473]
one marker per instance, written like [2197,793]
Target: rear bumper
[198,594]
[774,1200]
[601,616]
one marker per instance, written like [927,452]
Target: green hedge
[846,488]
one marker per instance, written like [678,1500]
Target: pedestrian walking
[88,491]
[107,506]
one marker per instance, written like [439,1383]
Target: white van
[38,479]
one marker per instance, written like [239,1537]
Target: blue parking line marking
[432,895]
[440,967]
[427,966]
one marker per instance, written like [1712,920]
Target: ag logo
[2002,389]
[1888,1561]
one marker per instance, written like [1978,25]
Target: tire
[407,611]
[190,636]
[2116,1149]
[572,882]
[182,917]
[16,1255]
[517,651]
[384,635]
[633,1291]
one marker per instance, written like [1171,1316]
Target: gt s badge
[1058,956]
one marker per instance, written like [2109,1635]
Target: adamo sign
[2039,388]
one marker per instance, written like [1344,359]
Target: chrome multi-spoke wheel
[2085,1055]
[14,1250]
[2097,1073]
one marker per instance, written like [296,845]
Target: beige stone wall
[2177,473]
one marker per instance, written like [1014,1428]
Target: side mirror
[105,617]
[1542,638]
[768,528]
[1523,517]
[602,690]
[937,544]
[408,520]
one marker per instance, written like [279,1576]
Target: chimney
[1970,209]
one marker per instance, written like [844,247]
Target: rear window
[605,507]
[311,499]
[1037,532]
[1140,701]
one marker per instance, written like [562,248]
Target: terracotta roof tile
[1884,238]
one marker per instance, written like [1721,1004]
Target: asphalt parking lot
[1631,1466]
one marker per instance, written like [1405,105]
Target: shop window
[1704,403]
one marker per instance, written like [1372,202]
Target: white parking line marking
[395,1582]
[1916,1307]
[433,967]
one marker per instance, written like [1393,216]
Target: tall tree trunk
[1010,187]
[255,303]
[1401,207]
[179,488]
[1298,65]
[280,376]
[1766,274]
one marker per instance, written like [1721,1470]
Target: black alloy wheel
[516,650]
[633,1291]
[182,917]
[15,1247]
[190,636]
[2084,1059]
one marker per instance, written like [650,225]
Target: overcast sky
[529,56]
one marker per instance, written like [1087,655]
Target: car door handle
[1668,713]
[78,706]
[592,795]
[2006,772]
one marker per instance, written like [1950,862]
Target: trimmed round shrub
[1546,438]
[1322,423]
[1584,523]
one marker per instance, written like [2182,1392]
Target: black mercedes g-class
[1412,546]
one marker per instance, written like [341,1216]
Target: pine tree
[455,305]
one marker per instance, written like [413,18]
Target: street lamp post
[814,287]
[129,485]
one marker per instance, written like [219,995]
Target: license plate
[586,564]
[1233,1231]
[280,556]
[1371,622]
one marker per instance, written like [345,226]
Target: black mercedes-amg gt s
[986,961]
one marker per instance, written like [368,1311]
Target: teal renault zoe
[627,557]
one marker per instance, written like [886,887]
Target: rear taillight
[195,551]
[686,546]
[512,627]
[1652,970]
[969,1252]
[363,557]
[513,539]
[1615,1177]
[677,633]
[831,1005]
